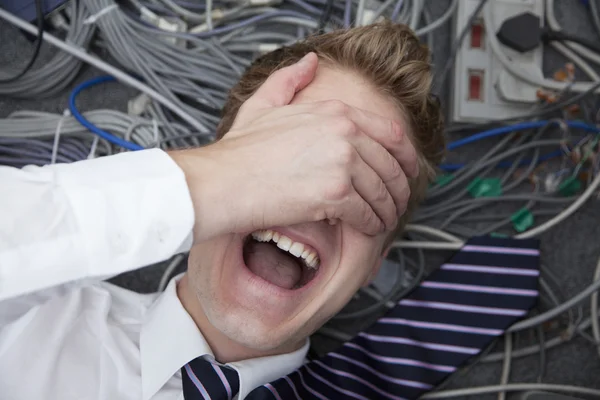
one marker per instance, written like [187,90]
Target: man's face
[267,299]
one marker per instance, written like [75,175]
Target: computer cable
[39,11]
[518,71]
[512,387]
[595,15]
[106,67]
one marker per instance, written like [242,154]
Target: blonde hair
[390,57]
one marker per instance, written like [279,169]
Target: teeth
[299,250]
[284,243]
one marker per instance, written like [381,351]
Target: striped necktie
[450,317]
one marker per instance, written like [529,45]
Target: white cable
[518,71]
[415,16]
[567,212]
[360,13]
[584,66]
[589,191]
[513,387]
[555,26]
[433,232]
[440,21]
[103,66]
[59,125]
[164,280]
[594,310]
[506,364]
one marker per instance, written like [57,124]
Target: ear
[375,268]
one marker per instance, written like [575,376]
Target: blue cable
[508,129]
[91,127]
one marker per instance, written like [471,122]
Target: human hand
[284,164]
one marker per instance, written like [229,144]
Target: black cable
[40,24]
[561,36]
[325,16]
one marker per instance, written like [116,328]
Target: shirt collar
[169,339]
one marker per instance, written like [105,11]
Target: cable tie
[94,147]
[65,114]
[94,17]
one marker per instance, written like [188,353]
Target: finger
[389,133]
[279,89]
[374,191]
[387,169]
[359,214]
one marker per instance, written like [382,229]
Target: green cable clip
[569,187]
[522,220]
[443,180]
[499,235]
[488,187]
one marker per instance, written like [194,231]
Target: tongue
[273,265]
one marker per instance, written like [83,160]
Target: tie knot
[203,379]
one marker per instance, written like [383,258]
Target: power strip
[482,90]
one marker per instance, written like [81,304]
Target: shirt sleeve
[90,219]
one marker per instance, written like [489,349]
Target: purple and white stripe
[289,381]
[397,381]
[441,327]
[400,361]
[361,380]
[479,289]
[463,308]
[197,382]
[425,345]
[311,390]
[223,380]
[500,250]
[331,385]
[273,391]
[490,270]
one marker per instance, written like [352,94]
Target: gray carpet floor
[570,250]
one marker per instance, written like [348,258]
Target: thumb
[279,89]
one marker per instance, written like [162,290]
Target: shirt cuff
[133,209]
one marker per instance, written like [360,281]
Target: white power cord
[518,71]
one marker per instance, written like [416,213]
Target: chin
[252,334]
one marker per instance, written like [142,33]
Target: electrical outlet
[482,90]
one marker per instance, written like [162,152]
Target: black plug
[522,32]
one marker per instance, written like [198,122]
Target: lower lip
[265,287]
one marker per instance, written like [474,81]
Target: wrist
[201,173]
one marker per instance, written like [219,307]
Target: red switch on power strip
[476,84]
[477,35]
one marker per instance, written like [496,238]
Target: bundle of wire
[184,57]
[56,74]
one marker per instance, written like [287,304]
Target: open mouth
[279,260]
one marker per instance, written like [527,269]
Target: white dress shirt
[64,333]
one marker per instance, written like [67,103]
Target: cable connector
[522,32]
[264,48]
[216,14]
[168,24]
[138,105]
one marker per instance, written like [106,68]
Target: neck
[224,349]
